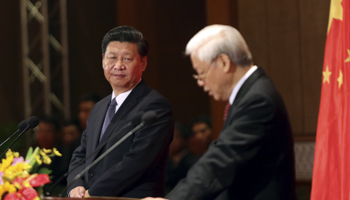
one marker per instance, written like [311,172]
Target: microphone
[147,119]
[136,119]
[32,122]
[21,126]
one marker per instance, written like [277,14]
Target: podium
[90,198]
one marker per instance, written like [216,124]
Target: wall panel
[313,29]
[168,25]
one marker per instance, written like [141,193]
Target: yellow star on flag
[326,75]
[336,12]
[340,79]
[348,59]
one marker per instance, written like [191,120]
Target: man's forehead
[124,52]
[126,47]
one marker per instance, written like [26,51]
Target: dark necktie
[227,108]
[109,116]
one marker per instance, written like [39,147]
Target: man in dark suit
[253,155]
[136,167]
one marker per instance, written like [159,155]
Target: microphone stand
[136,119]
[104,155]
[20,128]
[19,135]
[32,122]
[83,160]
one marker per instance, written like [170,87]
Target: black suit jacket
[253,156]
[136,167]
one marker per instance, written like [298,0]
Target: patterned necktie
[227,108]
[109,116]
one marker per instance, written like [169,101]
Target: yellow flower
[1,191]
[6,163]
[26,183]
[18,186]
[10,173]
[7,187]
[24,174]
[9,153]
[38,160]
[56,152]
[19,169]
[47,151]
[36,198]
[26,166]
[47,160]
[16,154]
[42,153]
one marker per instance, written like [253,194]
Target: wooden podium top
[90,198]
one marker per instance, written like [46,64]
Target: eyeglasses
[200,77]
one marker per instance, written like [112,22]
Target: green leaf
[29,153]
[44,171]
[32,161]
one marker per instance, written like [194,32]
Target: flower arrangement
[21,179]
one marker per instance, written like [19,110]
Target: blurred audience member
[47,136]
[70,141]
[86,103]
[202,135]
[71,134]
[46,133]
[180,160]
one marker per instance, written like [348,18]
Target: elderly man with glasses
[253,156]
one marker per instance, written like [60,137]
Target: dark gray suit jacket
[136,167]
[253,156]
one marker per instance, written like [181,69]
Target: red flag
[331,172]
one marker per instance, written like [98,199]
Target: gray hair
[214,40]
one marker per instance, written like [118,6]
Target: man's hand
[77,192]
[154,198]
[87,193]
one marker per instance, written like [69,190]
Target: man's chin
[219,98]
[215,97]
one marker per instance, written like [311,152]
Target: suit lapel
[129,103]
[242,92]
[99,121]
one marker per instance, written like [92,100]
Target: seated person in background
[86,103]
[180,160]
[202,135]
[46,133]
[71,136]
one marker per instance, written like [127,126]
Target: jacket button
[91,175]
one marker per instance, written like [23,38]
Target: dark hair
[126,34]
[51,119]
[202,119]
[90,97]
[70,122]
[185,130]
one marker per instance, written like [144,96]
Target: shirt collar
[240,83]
[122,96]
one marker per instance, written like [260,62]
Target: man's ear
[144,63]
[225,62]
